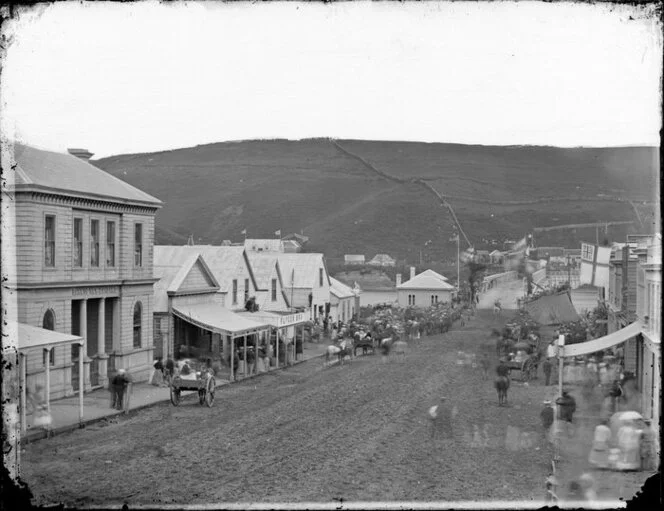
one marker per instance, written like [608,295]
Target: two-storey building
[81,264]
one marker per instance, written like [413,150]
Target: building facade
[342,301]
[82,265]
[424,290]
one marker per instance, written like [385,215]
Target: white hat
[121,371]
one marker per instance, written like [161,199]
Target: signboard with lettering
[95,291]
[291,319]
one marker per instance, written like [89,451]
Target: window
[235,292]
[138,245]
[246,290]
[138,310]
[110,244]
[78,242]
[588,252]
[48,323]
[320,277]
[432,302]
[49,241]
[274,290]
[94,242]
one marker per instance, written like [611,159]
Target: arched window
[138,313]
[49,320]
[48,323]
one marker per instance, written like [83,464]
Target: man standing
[119,384]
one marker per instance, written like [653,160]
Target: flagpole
[458,266]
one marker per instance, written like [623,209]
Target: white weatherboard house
[342,301]
[307,283]
[423,290]
[190,318]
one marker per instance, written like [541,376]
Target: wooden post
[244,373]
[276,344]
[232,355]
[23,379]
[81,379]
[48,379]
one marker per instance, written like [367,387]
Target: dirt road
[357,432]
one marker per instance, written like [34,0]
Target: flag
[277,233]
[244,232]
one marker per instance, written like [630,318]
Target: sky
[119,78]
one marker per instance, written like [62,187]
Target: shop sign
[95,291]
[291,319]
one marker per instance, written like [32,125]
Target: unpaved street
[357,432]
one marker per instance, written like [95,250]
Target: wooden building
[424,290]
[80,264]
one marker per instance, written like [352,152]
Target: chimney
[83,154]
[412,272]
[398,279]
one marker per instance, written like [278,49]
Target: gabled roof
[305,266]
[221,260]
[428,279]
[339,289]
[291,244]
[263,245]
[172,268]
[262,264]
[37,169]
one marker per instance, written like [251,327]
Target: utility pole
[458,265]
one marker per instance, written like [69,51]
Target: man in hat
[503,369]
[118,385]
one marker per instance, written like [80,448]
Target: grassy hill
[215,191]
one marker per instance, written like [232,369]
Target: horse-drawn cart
[202,382]
[525,366]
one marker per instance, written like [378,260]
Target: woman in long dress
[599,455]
[628,442]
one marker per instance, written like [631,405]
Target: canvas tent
[552,309]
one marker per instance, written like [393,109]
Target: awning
[27,336]
[275,319]
[217,319]
[603,343]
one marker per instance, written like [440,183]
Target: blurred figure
[441,420]
[566,407]
[551,485]
[547,417]
[587,484]
[647,448]
[599,455]
[485,363]
[546,367]
[574,491]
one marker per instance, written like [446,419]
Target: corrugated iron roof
[339,289]
[306,269]
[29,336]
[67,174]
[428,279]
[221,260]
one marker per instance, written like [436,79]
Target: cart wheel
[209,392]
[175,396]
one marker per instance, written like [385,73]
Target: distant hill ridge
[214,191]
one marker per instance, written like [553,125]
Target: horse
[502,383]
[341,351]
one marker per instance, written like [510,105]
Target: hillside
[340,198]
